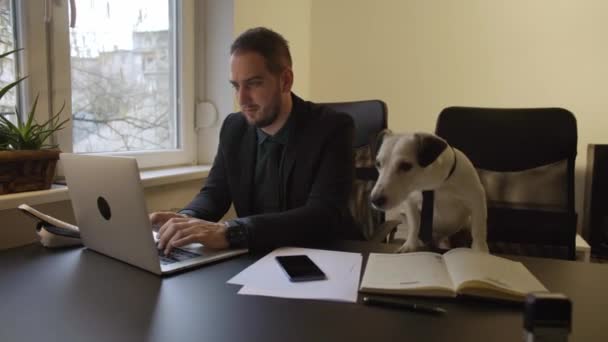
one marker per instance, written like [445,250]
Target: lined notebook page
[405,271]
[466,265]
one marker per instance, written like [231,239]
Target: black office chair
[370,118]
[525,160]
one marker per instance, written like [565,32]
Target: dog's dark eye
[377,164]
[405,166]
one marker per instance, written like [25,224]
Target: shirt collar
[281,136]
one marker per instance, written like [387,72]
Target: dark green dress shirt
[267,181]
[268,168]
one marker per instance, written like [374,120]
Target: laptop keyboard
[176,255]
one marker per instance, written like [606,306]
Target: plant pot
[27,170]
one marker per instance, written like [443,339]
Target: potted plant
[27,161]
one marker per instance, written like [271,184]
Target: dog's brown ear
[429,148]
[379,138]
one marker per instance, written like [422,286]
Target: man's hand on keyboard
[180,231]
[157,219]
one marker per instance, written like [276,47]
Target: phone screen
[300,268]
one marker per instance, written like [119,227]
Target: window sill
[149,178]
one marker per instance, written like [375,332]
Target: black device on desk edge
[547,317]
[300,268]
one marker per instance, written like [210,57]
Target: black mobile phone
[300,268]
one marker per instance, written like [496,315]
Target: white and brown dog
[411,163]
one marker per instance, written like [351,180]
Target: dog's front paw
[480,246]
[410,246]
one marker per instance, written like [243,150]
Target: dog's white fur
[460,201]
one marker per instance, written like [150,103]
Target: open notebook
[459,271]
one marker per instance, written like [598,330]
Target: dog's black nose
[379,201]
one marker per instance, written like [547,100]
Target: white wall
[222,22]
[290,18]
[212,50]
[423,55]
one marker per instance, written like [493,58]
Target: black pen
[397,304]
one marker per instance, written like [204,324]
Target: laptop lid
[110,209]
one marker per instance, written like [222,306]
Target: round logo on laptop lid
[104,208]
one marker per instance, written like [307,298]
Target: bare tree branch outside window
[7,64]
[122,76]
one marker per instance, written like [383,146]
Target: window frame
[46,59]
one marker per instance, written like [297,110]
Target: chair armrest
[384,230]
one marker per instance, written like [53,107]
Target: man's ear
[379,139]
[286,80]
[429,148]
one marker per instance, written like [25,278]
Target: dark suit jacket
[316,180]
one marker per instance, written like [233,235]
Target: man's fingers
[164,227]
[167,231]
[191,234]
[186,240]
[178,232]
[173,222]
[165,234]
[156,218]
[169,245]
[161,217]
[175,231]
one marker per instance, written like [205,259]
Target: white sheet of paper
[266,278]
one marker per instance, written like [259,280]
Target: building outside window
[8,64]
[123,70]
[123,76]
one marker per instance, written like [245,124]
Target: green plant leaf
[27,134]
[10,86]
[10,52]
[11,126]
[30,116]
[52,122]
[4,137]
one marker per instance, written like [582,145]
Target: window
[8,64]
[124,72]
[123,76]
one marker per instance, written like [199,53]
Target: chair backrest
[525,159]
[370,117]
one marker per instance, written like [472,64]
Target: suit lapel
[288,166]
[300,112]
[247,161]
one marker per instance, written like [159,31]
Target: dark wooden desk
[79,295]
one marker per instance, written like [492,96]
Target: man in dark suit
[285,163]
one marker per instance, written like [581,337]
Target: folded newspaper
[53,232]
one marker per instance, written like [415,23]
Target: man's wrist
[188,213]
[237,234]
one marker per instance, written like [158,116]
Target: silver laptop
[110,209]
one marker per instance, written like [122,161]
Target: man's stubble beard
[272,115]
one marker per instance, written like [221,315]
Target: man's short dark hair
[269,44]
